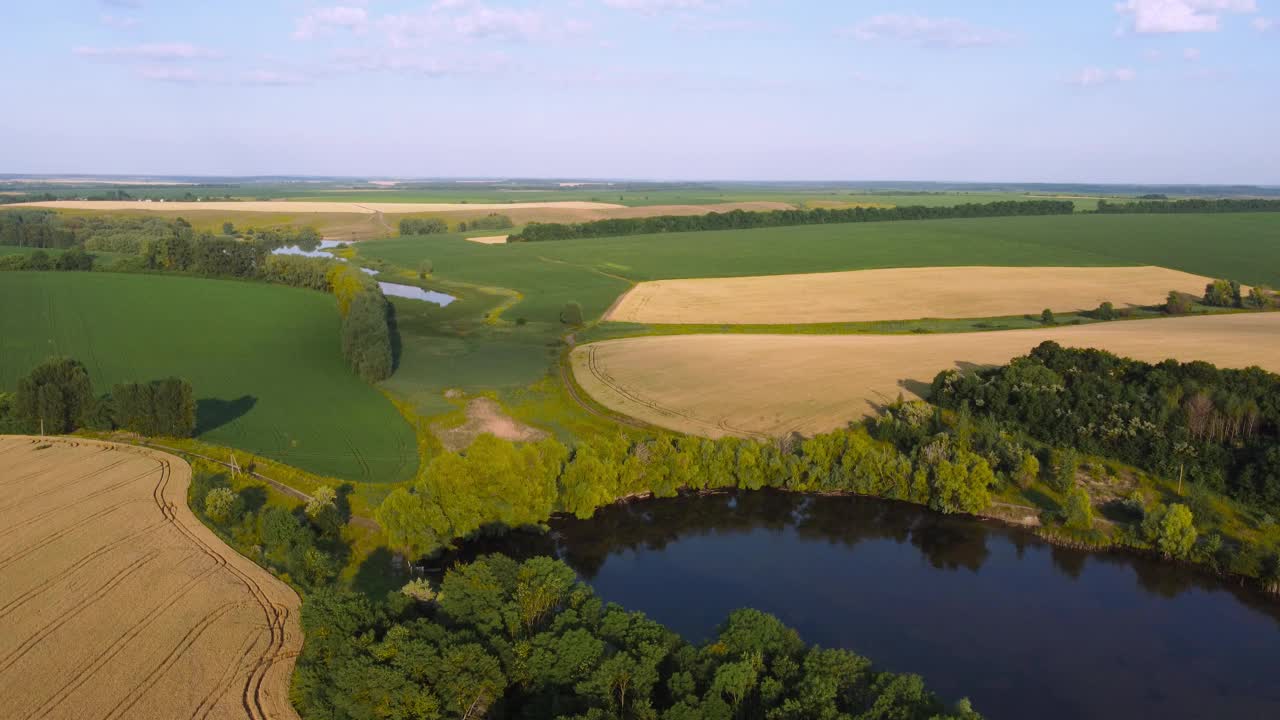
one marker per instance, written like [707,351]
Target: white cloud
[1099,76]
[466,20]
[1191,54]
[328,19]
[273,78]
[1263,24]
[417,64]
[170,74]
[1180,16]
[120,22]
[928,31]
[657,6]
[166,52]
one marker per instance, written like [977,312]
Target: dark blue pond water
[1025,629]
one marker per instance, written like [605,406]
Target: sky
[1143,91]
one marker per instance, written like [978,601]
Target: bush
[75,259]
[423,226]
[1077,511]
[1261,297]
[1062,469]
[1178,303]
[571,314]
[222,505]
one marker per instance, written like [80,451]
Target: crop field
[897,294]
[264,361]
[476,344]
[118,603]
[287,206]
[768,385]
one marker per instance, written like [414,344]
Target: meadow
[264,361]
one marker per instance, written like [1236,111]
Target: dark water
[1025,629]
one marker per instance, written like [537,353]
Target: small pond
[1025,629]
[404,291]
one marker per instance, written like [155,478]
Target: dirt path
[116,602]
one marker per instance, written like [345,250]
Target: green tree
[39,260]
[222,505]
[366,337]
[1105,311]
[1178,303]
[1220,293]
[1028,470]
[1047,318]
[425,268]
[1171,529]
[1077,512]
[228,228]
[1063,465]
[961,485]
[54,397]
[1261,297]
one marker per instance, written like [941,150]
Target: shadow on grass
[379,574]
[213,413]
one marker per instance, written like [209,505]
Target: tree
[1178,303]
[54,397]
[1028,470]
[1047,318]
[1105,311]
[39,260]
[366,337]
[322,509]
[75,259]
[1063,465]
[960,485]
[571,314]
[228,228]
[1077,512]
[425,268]
[1171,529]
[1261,297]
[222,505]
[1220,293]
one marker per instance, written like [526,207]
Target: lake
[1024,628]
[411,292]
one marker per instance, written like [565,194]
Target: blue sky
[1086,90]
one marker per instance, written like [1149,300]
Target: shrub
[1261,297]
[1077,511]
[571,314]
[222,505]
[1178,303]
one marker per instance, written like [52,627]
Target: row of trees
[526,640]
[909,455]
[1216,427]
[1228,293]
[175,246]
[57,398]
[423,226]
[72,260]
[492,221]
[743,219]
[1193,205]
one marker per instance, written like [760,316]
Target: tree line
[436,226]
[175,246]
[1219,428]
[746,219]
[501,638]
[1193,205]
[57,397]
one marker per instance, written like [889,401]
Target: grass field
[264,361]
[897,294]
[118,602]
[464,347]
[768,385]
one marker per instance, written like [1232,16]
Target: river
[1025,629]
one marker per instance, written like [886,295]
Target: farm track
[162,620]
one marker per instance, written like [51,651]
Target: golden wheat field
[116,602]
[302,206]
[767,385]
[897,294]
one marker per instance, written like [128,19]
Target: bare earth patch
[116,602]
[768,385]
[486,416]
[897,294]
[489,240]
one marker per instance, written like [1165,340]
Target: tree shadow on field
[379,574]
[343,501]
[254,497]
[213,413]
[394,330]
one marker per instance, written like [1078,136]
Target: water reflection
[1024,628]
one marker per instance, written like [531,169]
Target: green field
[264,361]
[456,347]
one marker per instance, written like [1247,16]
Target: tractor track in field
[151,646]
